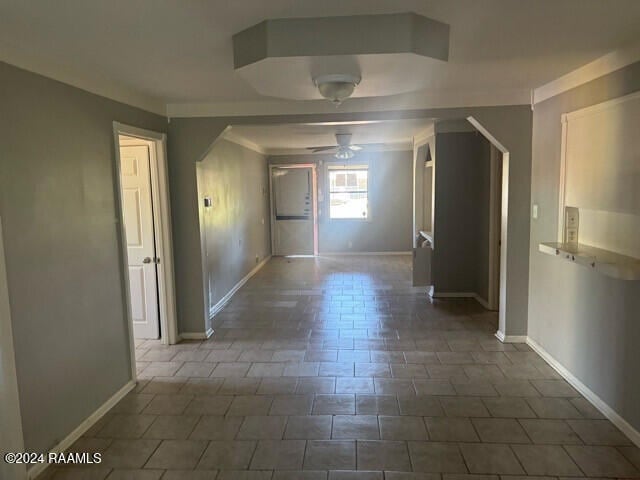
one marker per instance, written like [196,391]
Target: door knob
[147,260]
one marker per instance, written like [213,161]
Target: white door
[293,211]
[138,226]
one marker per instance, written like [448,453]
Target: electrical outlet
[257,258]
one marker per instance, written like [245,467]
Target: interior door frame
[162,232]
[314,201]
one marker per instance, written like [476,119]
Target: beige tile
[354,385]
[334,404]
[209,405]
[201,386]
[178,454]
[547,431]
[500,430]
[128,453]
[424,406]
[135,474]
[377,405]
[172,427]
[356,427]
[463,407]
[508,407]
[553,408]
[316,385]
[278,455]
[262,427]
[402,428]
[598,432]
[168,404]
[126,426]
[291,405]
[245,405]
[216,428]
[597,461]
[330,455]
[546,460]
[308,427]
[434,457]
[491,458]
[451,429]
[227,455]
[277,386]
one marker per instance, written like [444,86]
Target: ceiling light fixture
[336,87]
[344,153]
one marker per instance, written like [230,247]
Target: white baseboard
[365,253]
[215,309]
[475,296]
[70,439]
[196,335]
[510,338]
[597,402]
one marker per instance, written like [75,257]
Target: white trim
[85,80]
[215,309]
[314,201]
[565,118]
[162,227]
[598,68]
[81,429]
[232,137]
[504,226]
[12,439]
[197,335]
[495,220]
[363,253]
[421,100]
[401,146]
[510,338]
[586,392]
[475,296]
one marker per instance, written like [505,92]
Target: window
[349,192]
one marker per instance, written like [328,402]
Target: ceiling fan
[344,148]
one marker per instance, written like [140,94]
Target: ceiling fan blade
[321,149]
[355,148]
[372,145]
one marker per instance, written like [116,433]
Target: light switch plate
[534,212]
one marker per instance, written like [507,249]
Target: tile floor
[336,368]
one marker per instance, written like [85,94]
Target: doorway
[294,209]
[146,234]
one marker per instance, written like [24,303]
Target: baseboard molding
[365,253]
[597,402]
[70,439]
[510,338]
[214,310]
[475,296]
[196,335]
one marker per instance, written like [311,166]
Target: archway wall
[189,139]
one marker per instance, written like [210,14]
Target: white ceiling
[296,138]
[180,52]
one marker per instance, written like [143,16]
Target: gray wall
[190,138]
[390,203]
[62,246]
[588,322]
[460,257]
[235,230]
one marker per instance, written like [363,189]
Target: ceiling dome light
[344,153]
[337,87]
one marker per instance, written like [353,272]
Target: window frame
[333,167]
